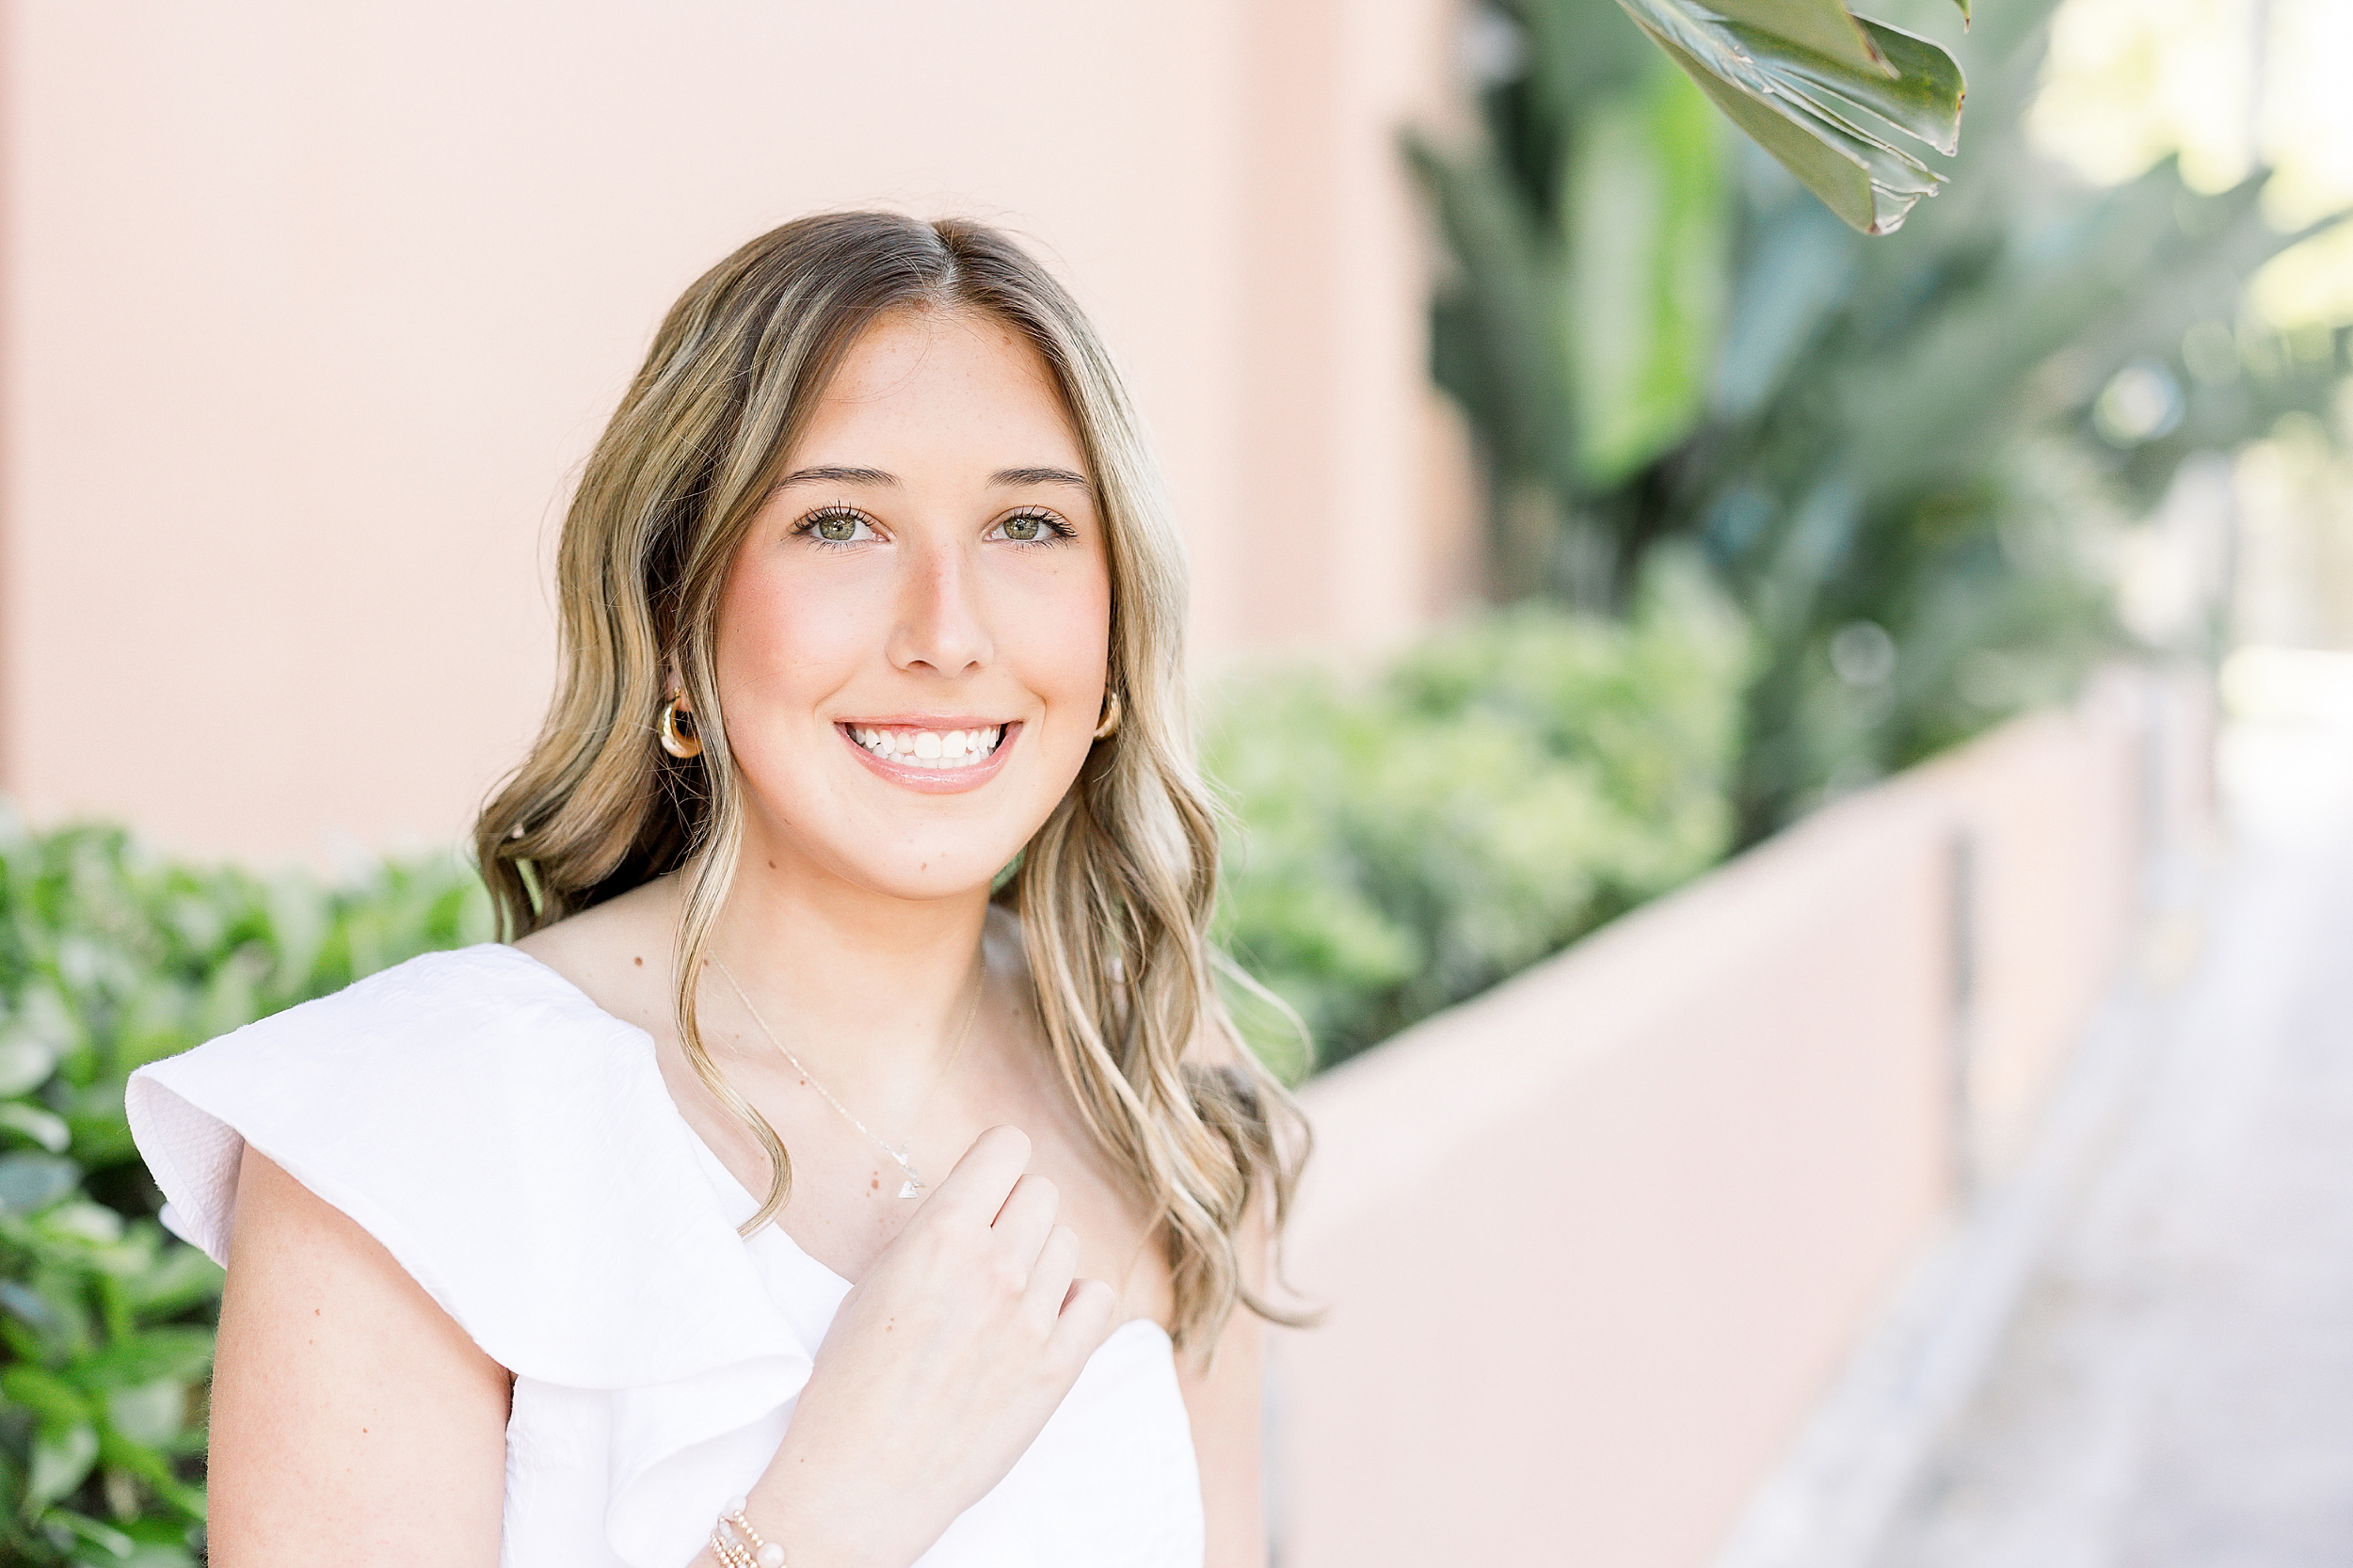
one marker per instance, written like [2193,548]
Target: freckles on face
[912,638]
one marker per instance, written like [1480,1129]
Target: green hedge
[1402,844]
[1497,791]
[108,959]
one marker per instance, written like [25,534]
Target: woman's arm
[353,1421]
[1226,1402]
[1227,1399]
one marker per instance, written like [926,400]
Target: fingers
[1022,1224]
[1050,1278]
[977,1188]
[1086,1319]
[1030,1254]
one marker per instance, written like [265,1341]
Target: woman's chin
[917,867]
[946,880]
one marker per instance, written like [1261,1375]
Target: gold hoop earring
[683,744]
[1111,716]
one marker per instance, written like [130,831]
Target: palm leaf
[1822,91]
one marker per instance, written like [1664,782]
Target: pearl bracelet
[736,1545]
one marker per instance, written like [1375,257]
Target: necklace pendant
[910,1188]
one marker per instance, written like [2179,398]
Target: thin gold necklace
[911,1185]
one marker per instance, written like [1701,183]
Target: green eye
[837,529]
[1023,529]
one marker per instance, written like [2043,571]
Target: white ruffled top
[513,1146]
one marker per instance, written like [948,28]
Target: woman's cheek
[1062,614]
[796,630]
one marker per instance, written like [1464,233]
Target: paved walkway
[2176,1390]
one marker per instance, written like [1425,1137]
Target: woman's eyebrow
[1039,477]
[830,475]
[833,474]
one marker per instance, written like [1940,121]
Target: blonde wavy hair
[1113,892]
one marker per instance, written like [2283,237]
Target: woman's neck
[867,990]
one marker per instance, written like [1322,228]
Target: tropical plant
[1497,792]
[1822,89]
[1592,227]
[110,959]
[1906,458]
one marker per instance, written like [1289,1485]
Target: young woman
[850,1165]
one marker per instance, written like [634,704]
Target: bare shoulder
[341,1394]
[617,952]
[1223,1391]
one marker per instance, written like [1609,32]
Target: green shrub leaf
[62,1458]
[150,1414]
[30,1182]
[105,1537]
[25,1064]
[181,1354]
[179,1277]
[46,1127]
[54,1399]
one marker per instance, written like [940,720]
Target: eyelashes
[842,525]
[834,525]
[1031,525]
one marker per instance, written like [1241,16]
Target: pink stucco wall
[1592,1245]
[307,314]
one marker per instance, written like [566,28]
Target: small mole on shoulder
[640,962]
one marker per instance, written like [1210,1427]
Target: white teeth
[930,748]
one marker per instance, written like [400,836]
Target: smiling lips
[931,750]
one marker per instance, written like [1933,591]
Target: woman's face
[912,639]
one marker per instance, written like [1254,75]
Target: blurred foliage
[110,959]
[1907,459]
[1498,791]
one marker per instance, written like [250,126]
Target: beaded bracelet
[736,1545]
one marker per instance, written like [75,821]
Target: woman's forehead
[938,385]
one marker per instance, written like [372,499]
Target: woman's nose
[942,625]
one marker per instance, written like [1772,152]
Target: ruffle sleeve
[514,1148]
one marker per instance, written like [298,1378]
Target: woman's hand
[940,1367]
